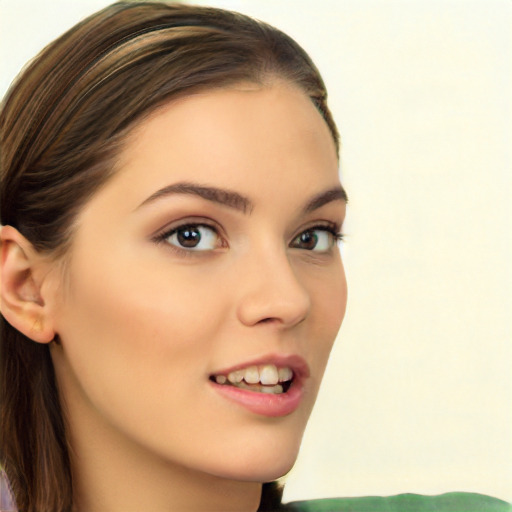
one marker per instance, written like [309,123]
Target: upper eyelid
[326,225]
[171,227]
[162,238]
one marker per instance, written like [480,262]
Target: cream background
[418,394]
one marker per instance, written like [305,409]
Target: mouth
[271,386]
[266,378]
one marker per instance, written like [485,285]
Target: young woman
[171,282]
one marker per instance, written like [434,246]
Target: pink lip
[268,404]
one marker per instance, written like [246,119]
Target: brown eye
[194,237]
[316,239]
[188,236]
[307,240]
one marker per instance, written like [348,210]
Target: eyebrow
[237,201]
[334,194]
[217,195]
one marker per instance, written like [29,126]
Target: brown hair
[62,124]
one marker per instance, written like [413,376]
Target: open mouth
[267,378]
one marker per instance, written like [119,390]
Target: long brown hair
[62,123]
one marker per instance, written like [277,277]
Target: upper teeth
[267,374]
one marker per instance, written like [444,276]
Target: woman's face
[211,250]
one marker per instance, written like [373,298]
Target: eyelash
[163,237]
[182,251]
[332,229]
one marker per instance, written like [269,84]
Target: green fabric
[450,502]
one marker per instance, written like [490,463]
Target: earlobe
[22,303]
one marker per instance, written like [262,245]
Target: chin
[261,462]
[278,470]
[250,473]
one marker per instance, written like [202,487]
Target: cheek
[328,290]
[336,298]
[130,332]
[329,299]
[129,303]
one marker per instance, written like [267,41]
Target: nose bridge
[270,289]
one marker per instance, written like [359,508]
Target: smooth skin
[147,310]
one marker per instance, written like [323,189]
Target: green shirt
[450,502]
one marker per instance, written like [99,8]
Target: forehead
[267,143]
[250,129]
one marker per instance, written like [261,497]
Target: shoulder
[450,502]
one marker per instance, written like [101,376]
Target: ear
[23,271]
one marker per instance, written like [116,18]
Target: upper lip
[296,363]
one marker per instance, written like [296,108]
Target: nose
[270,292]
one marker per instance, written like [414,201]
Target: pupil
[309,240]
[189,236]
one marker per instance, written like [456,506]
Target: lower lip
[264,404]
